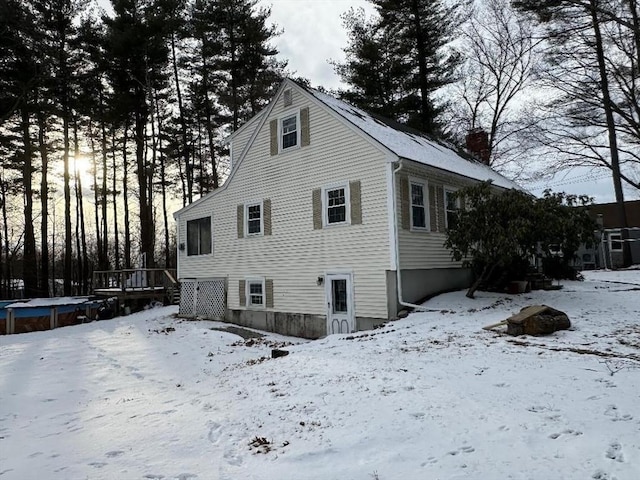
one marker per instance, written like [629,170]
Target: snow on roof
[413,145]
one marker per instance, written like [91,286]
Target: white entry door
[340,312]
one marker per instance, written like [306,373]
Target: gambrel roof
[411,144]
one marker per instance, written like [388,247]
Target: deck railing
[134,279]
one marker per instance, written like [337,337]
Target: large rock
[537,320]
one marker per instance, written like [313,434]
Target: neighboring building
[608,253]
[324,204]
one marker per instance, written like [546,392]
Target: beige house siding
[424,249]
[296,254]
[242,136]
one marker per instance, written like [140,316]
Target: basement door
[340,311]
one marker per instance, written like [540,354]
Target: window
[199,236]
[289,131]
[418,206]
[253,215]
[255,293]
[451,206]
[615,242]
[336,202]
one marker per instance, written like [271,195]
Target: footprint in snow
[614,452]
[186,476]
[600,475]
[430,461]
[612,411]
[573,433]
[153,476]
[215,431]
[114,453]
[463,449]
[232,458]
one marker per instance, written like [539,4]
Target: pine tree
[407,48]
[136,44]
[20,56]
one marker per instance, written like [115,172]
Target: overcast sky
[312,35]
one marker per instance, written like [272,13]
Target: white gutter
[397,244]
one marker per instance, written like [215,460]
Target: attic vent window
[288,98]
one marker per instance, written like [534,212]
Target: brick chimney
[478,144]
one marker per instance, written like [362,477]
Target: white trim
[338,274]
[230,156]
[247,292]
[247,124]
[446,189]
[391,216]
[347,202]
[425,199]
[616,233]
[281,118]
[246,218]
[186,243]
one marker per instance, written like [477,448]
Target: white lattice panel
[211,299]
[188,291]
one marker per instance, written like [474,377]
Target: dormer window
[289,131]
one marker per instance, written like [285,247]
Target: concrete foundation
[418,285]
[292,324]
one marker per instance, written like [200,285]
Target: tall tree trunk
[163,186]
[78,273]
[234,75]
[99,195]
[116,240]
[183,122]
[82,238]
[611,128]
[5,266]
[104,256]
[635,21]
[425,106]
[209,126]
[146,215]
[44,205]
[30,264]
[125,199]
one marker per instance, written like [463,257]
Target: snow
[49,302]
[412,146]
[432,396]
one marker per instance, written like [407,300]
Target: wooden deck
[136,284]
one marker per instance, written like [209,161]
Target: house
[608,252]
[330,221]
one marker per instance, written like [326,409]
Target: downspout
[397,244]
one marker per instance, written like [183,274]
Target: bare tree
[586,112]
[500,54]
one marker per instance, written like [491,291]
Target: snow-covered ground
[432,396]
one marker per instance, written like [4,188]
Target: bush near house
[497,232]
